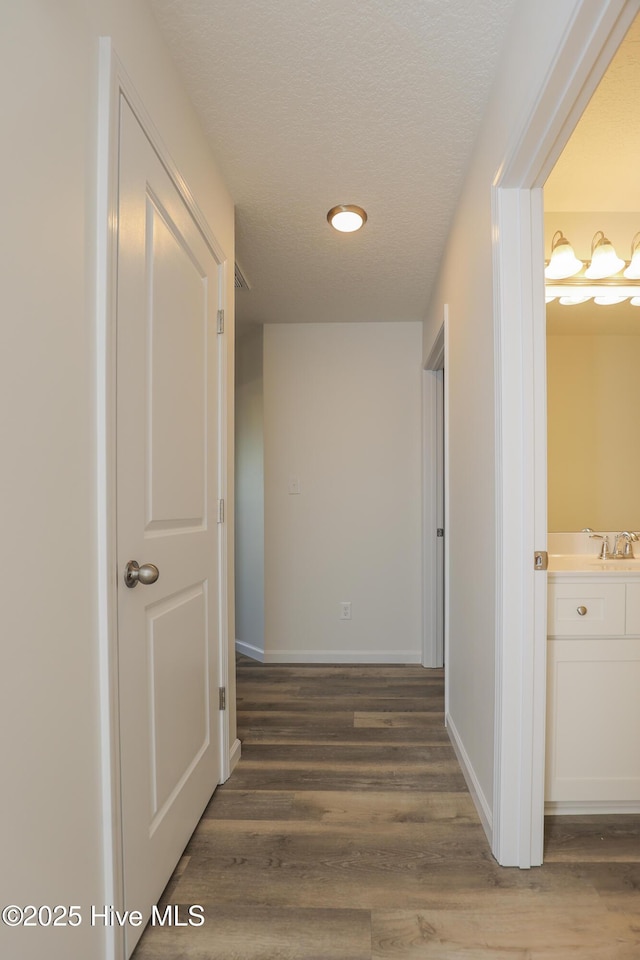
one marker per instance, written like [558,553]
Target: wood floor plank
[617,884]
[381,719]
[374,807]
[283,727]
[256,933]
[352,754]
[540,930]
[267,700]
[570,839]
[378,807]
[438,776]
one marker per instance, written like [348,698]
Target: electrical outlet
[345,610]
[294,485]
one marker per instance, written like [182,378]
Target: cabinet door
[633,609]
[586,609]
[593,719]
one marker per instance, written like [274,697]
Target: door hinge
[540,560]
[220,511]
[220,321]
[222,697]
[440,532]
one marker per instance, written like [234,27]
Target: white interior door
[167,438]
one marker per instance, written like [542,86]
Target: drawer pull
[582,611]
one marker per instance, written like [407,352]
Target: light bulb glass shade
[563,262]
[573,301]
[347,218]
[608,301]
[633,270]
[635,301]
[605,262]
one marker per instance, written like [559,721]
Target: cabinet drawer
[586,610]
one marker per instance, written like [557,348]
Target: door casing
[435,472]
[114,83]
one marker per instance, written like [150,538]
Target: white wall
[250,493]
[342,412]
[51,811]
[466,284]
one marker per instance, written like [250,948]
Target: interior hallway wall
[466,284]
[250,493]
[51,754]
[342,417]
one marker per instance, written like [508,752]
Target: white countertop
[590,565]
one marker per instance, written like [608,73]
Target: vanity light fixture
[563,262]
[633,270]
[607,279]
[605,262]
[347,218]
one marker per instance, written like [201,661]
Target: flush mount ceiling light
[602,281]
[347,218]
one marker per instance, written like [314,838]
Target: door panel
[177,402]
[167,441]
[178,674]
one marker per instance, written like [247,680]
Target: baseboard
[247,650]
[342,656]
[234,754]
[477,794]
[572,808]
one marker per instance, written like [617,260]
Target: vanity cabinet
[593,694]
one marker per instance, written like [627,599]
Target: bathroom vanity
[593,685]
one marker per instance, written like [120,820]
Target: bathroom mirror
[593,416]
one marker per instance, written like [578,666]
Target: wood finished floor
[346,832]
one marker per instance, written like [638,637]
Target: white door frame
[114,83]
[434,462]
[590,41]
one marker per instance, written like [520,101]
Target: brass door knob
[582,611]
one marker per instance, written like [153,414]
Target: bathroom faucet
[627,552]
[604,551]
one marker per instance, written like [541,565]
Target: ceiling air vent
[240,282]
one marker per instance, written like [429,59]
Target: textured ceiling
[598,168]
[311,103]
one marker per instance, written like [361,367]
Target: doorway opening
[521,611]
[593,354]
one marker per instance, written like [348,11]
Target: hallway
[346,832]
